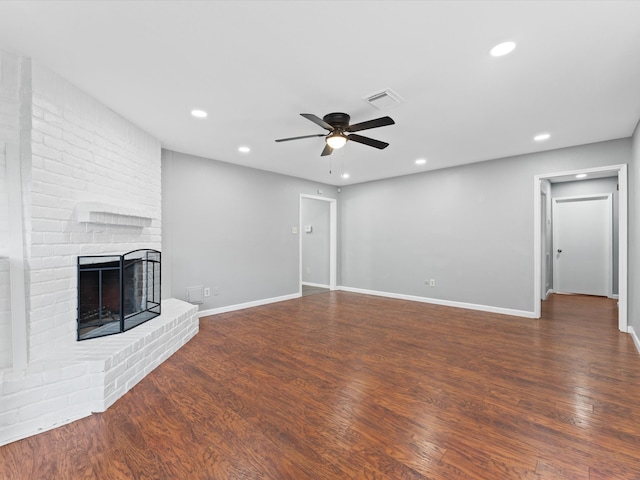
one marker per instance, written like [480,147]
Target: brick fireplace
[90,187]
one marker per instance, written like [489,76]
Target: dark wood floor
[309,290]
[348,386]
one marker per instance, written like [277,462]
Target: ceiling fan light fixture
[338,124]
[336,140]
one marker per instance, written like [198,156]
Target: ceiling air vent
[384,99]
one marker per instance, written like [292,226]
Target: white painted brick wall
[82,152]
[5,316]
[42,397]
[9,127]
[4,202]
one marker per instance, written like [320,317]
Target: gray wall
[470,228]
[315,244]
[594,187]
[229,227]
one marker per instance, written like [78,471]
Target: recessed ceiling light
[345,175]
[541,137]
[581,175]
[199,113]
[244,149]
[503,49]
[421,161]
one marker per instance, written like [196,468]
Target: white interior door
[582,245]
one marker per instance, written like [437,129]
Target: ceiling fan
[338,126]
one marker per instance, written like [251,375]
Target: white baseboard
[242,306]
[636,340]
[446,303]
[319,285]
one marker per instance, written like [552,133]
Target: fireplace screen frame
[117,292]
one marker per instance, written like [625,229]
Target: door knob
[559,250]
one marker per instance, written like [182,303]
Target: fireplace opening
[117,292]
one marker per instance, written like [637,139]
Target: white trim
[446,303]
[635,338]
[545,190]
[319,285]
[623,252]
[242,306]
[623,215]
[333,238]
[537,245]
[16,259]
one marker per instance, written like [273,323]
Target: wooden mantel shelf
[105,214]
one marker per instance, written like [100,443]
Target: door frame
[545,194]
[333,239]
[623,229]
[608,198]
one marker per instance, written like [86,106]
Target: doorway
[582,251]
[318,240]
[621,172]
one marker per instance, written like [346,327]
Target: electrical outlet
[207,292]
[432,282]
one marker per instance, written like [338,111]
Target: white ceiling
[254,66]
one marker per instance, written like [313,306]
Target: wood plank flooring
[348,386]
[310,290]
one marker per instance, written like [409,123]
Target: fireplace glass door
[117,292]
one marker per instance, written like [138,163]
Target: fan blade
[298,138]
[318,121]
[378,122]
[327,151]
[367,141]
